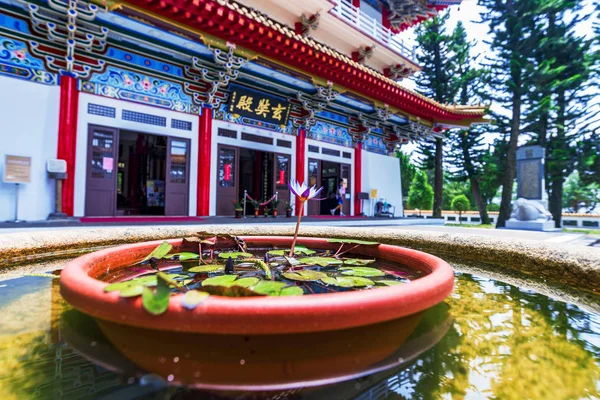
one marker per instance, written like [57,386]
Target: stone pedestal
[534,225]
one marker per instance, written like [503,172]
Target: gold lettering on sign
[263,107]
[277,112]
[245,103]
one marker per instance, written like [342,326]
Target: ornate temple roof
[407,13]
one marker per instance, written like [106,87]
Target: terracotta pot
[274,213]
[238,213]
[288,213]
[255,213]
[259,315]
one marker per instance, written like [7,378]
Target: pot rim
[263,315]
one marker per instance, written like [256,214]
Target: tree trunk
[475,188]
[438,180]
[510,171]
[557,173]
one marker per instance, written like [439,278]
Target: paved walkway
[579,239]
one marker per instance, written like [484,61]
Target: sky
[469,14]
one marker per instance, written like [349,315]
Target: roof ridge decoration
[69,23]
[216,76]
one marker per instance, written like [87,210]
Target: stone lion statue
[528,210]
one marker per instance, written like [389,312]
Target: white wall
[28,127]
[84,119]
[382,173]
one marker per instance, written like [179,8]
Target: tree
[577,193]
[467,150]
[460,204]
[420,194]
[434,81]
[407,171]
[511,23]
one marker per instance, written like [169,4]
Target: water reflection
[501,342]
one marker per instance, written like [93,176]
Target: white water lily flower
[303,192]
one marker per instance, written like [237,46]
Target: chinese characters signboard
[258,105]
[17,169]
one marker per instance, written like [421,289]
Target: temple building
[179,107]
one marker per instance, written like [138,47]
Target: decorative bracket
[363,54]
[69,23]
[214,77]
[309,105]
[307,24]
[398,72]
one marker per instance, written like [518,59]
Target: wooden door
[227,179]
[177,177]
[345,173]
[281,169]
[314,178]
[101,173]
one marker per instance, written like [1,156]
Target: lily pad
[321,261]
[117,286]
[245,282]
[229,291]
[193,298]
[298,249]
[352,241]
[186,256]
[341,281]
[162,250]
[132,291]
[206,269]
[305,275]
[388,282]
[222,280]
[235,254]
[361,282]
[271,288]
[362,271]
[291,291]
[293,261]
[157,302]
[357,262]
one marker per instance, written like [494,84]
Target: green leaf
[291,291]
[157,302]
[117,286]
[361,282]
[340,281]
[245,282]
[219,280]
[357,262]
[229,291]
[235,254]
[352,241]
[297,250]
[388,282]
[192,298]
[322,261]
[271,288]
[131,291]
[162,250]
[305,275]
[207,268]
[186,256]
[361,271]
[293,261]
[265,268]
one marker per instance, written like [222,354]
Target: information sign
[17,169]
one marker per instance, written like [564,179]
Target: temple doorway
[136,173]
[328,175]
[261,174]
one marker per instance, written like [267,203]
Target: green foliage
[157,302]
[193,298]
[321,261]
[461,204]
[362,271]
[577,193]
[306,275]
[420,194]
[159,252]
[407,171]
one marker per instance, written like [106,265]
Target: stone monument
[530,210]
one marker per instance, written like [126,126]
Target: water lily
[303,193]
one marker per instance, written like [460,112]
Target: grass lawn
[486,226]
[588,231]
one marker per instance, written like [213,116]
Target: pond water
[490,339]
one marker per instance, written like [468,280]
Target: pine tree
[407,172]
[511,23]
[467,150]
[434,81]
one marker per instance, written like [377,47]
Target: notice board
[17,169]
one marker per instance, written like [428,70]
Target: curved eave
[255,31]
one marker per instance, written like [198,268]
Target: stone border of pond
[575,266]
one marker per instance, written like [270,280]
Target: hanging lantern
[227,172]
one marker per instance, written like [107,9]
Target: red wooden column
[67,138]
[357,177]
[204,162]
[300,159]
